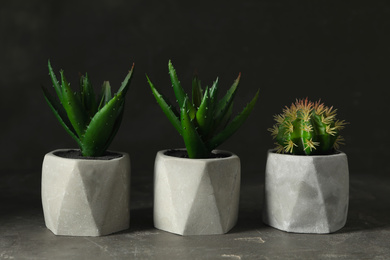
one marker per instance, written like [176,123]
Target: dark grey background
[338,51]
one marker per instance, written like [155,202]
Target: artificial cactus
[203,122]
[91,121]
[307,128]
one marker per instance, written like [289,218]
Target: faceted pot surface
[196,196]
[306,194]
[84,197]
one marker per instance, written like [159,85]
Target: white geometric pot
[84,197]
[196,196]
[306,194]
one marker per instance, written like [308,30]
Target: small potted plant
[196,190]
[306,178]
[86,191]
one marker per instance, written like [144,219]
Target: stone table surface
[23,234]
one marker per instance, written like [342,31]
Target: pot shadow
[250,207]
[248,220]
[369,204]
[141,203]
[366,216]
[141,219]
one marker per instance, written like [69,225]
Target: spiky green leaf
[193,142]
[56,84]
[234,125]
[224,103]
[73,107]
[61,116]
[105,95]
[169,110]
[126,82]
[116,127]
[197,92]
[224,120]
[204,115]
[107,92]
[88,98]
[214,91]
[101,127]
[178,90]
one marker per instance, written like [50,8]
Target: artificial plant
[92,121]
[307,128]
[202,121]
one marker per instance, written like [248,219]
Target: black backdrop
[338,51]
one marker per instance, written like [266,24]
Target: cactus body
[307,128]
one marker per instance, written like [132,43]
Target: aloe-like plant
[203,122]
[92,121]
[307,128]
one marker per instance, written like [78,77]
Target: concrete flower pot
[83,197]
[306,194]
[196,196]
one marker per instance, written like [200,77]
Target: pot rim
[162,154]
[338,153]
[89,159]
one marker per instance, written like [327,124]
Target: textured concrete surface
[334,50]
[196,197]
[306,194]
[23,234]
[86,197]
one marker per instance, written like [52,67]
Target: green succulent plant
[92,121]
[307,128]
[203,121]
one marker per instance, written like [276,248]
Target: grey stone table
[23,234]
